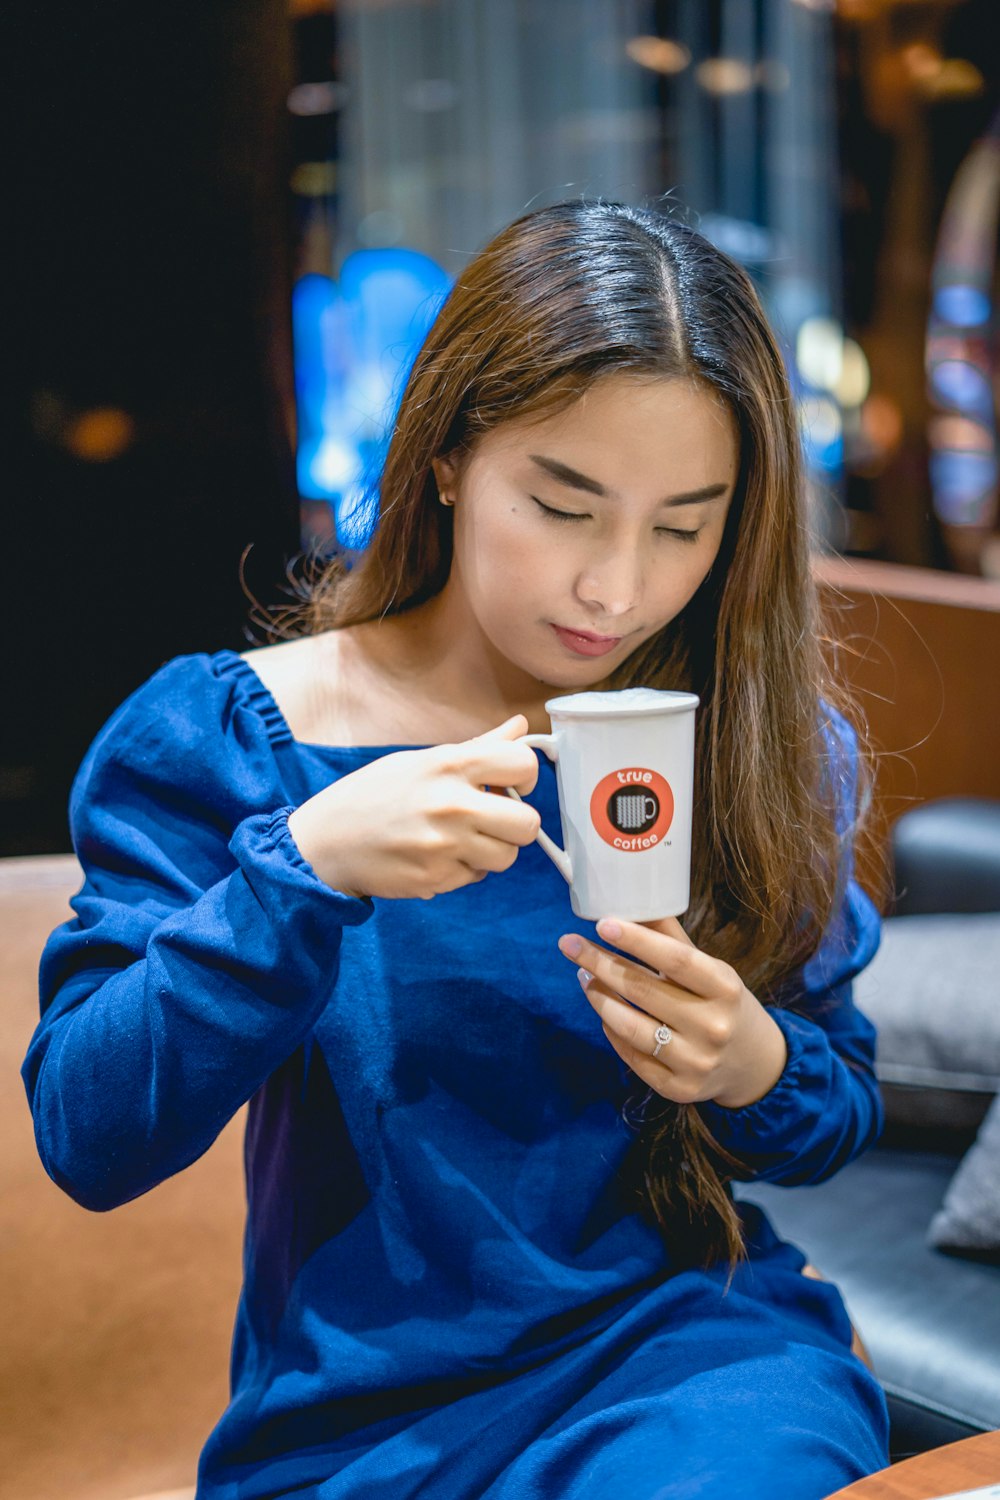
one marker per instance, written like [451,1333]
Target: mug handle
[559,857]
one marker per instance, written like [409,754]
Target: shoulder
[184,700]
[838,732]
[853,931]
[198,723]
[839,766]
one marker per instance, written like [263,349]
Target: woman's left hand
[716,1039]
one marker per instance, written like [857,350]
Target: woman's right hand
[417,823]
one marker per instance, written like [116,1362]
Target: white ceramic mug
[625,773]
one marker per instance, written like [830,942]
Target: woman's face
[604,518]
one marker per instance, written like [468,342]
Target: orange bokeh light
[100,435]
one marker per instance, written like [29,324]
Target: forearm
[132,1073]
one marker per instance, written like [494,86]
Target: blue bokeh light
[961,483]
[960,385]
[354,343]
[962,306]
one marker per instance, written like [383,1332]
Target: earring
[446,500]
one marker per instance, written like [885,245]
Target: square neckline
[263,698]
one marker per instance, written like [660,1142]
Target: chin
[580,679]
[565,676]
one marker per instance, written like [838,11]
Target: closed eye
[572,515]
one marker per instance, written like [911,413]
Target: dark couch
[930,1319]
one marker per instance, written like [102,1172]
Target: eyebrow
[577,481]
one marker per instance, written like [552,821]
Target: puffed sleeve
[826,1107]
[203,948]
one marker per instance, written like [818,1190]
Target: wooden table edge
[967,1464]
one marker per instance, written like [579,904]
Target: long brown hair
[564,295]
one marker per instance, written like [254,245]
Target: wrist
[299,828]
[768,1053]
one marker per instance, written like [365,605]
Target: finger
[492,760]
[676,958]
[635,1027]
[462,875]
[510,729]
[482,853]
[660,1079]
[659,996]
[669,926]
[511,821]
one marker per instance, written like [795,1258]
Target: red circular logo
[632,809]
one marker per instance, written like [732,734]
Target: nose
[612,588]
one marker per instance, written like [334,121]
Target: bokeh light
[854,381]
[882,422]
[822,432]
[819,352]
[100,435]
[957,78]
[725,75]
[962,481]
[323,98]
[952,431]
[962,306]
[354,342]
[658,53]
[956,382]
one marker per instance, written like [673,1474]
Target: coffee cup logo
[632,809]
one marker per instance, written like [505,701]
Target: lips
[586,644]
[588,635]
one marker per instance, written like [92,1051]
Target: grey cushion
[933,992]
[969,1217]
[930,1321]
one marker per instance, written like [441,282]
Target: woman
[492,1247]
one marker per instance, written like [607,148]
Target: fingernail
[570,946]
[609,929]
[584,976]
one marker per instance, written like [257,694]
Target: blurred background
[235,221]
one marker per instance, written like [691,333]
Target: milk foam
[625,700]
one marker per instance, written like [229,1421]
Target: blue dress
[448,1291]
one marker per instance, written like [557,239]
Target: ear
[446,472]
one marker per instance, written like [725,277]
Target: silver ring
[663,1035]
